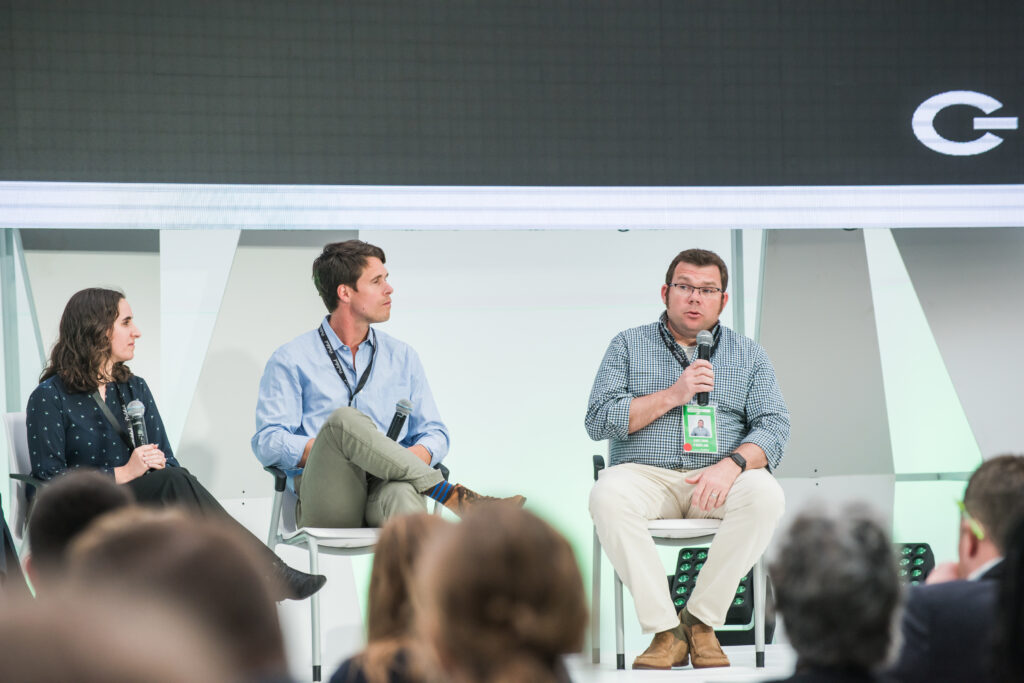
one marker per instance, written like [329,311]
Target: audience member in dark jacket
[947,625]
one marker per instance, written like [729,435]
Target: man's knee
[392,499]
[765,495]
[342,425]
[346,415]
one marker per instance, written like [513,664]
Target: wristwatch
[739,460]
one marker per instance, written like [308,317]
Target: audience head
[83,345]
[501,598]
[993,500]
[392,588]
[99,637]
[1009,631]
[391,581]
[203,565]
[342,263]
[837,589]
[61,511]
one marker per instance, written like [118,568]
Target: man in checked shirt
[646,377]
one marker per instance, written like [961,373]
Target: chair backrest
[18,460]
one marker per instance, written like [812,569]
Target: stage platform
[779,662]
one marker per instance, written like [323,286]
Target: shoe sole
[711,666]
[646,667]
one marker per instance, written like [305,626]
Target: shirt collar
[983,569]
[336,342]
[716,329]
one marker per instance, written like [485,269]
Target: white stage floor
[779,662]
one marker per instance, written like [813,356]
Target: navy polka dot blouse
[68,430]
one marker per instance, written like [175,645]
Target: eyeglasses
[976,529]
[687,290]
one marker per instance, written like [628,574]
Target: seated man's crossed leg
[356,474]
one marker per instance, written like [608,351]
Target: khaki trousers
[626,496]
[334,489]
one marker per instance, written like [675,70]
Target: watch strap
[739,460]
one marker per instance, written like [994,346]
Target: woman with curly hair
[78,418]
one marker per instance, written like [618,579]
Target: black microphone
[402,410]
[135,411]
[704,341]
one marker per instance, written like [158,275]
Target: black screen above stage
[631,92]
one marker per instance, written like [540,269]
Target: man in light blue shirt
[327,398]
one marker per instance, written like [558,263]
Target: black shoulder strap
[113,420]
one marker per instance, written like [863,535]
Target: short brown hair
[341,263]
[64,508]
[205,566]
[71,635]
[699,257]
[995,495]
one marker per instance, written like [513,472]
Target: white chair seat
[333,538]
[683,529]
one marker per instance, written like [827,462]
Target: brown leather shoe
[664,652]
[704,648]
[463,500]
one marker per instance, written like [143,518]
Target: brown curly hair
[83,342]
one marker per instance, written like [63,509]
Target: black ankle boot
[296,585]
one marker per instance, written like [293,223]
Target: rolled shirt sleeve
[767,415]
[608,407]
[424,427]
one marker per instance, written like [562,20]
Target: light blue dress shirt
[300,388]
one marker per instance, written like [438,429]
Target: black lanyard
[341,371]
[673,347]
[118,427]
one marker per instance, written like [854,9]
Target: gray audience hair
[837,588]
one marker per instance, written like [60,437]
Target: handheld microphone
[135,411]
[704,341]
[402,410]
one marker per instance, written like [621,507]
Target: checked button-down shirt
[750,407]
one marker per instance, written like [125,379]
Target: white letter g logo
[924,123]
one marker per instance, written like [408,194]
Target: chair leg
[620,636]
[314,610]
[759,610]
[595,602]
[275,519]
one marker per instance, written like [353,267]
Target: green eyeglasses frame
[976,529]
